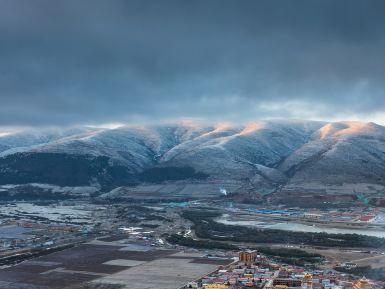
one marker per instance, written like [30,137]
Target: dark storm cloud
[78,61]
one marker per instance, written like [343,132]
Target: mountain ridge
[265,156]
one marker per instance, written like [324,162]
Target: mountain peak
[348,128]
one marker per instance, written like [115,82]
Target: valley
[202,144]
[38,225]
[304,194]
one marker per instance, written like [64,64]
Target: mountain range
[261,157]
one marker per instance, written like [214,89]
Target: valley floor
[37,232]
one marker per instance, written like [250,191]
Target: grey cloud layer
[80,61]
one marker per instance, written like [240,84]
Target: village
[253,270]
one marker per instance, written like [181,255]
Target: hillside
[256,158]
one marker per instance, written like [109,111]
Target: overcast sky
[65,62]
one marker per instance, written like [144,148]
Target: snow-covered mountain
[263,156]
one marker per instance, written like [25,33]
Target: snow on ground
[55,213]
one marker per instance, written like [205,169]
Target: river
[299,227]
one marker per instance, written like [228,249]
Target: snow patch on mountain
[262,154]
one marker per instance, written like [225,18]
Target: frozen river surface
[298,227]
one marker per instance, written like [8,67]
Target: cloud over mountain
[76,62]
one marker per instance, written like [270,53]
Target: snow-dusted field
[53,213]
[13,232]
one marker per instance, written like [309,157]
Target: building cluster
[253,270]
[352,215]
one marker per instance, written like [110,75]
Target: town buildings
[253,270]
